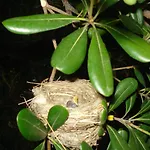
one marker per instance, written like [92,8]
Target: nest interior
[84,106]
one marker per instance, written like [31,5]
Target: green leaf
[141,1]
[104,4]
[99,66]
[140,17]
[30,126]
[146,32]
[86,4]
[85,146]
[139,76]
[124,135]
[37,23]
[148,143]
[145,118]
[142,143]
[101,131]
[57,116]
[145,107]
[141,134]
[91,32]
[40,146]
[104,112]
[58,146]
[133,16]
[130,24]
[117,141]
[130,103]
[133,142]
[148,76]
[130,2]
[134,45]
[71,52]
[123,90]
[109,147]
[103,116]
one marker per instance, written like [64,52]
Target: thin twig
[54,43]
[56,9]
[69,8]
[52,74]
[54,69]
[54,135]
[48,145]
[123,68]
[117,79]
[128,123]
[43,4]
[25,101]
[138,128]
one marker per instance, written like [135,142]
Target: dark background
[22,59]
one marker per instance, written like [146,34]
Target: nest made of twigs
[84,106]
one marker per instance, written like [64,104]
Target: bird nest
[83,104]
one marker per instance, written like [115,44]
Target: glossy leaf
[101,131]
[101,31]
[109,147]
[135,46]
[71,52]
[146,31]
[104,4]
[142,143]
[103,116]
[145,107]
[148,76]
[133,142]
[30,126]
[91,32]
[99,66]
[132,25]
[57,116]
[124,135]
[104,112]
[141,134]
[130,2]
[148,143]
[37,23]
[139,76]
[104,103]
[145,118]
[85,146]
[85,3]
[130,103]
[40,146]
[118,143]
[123,90]
[133,16]
[140,17]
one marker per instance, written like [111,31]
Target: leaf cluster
[131,34]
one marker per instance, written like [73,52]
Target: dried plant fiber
[84,106]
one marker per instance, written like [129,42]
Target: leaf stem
[52,140]
[138,128]
[123,68]
[91,9]
[54,69]
[129,123]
